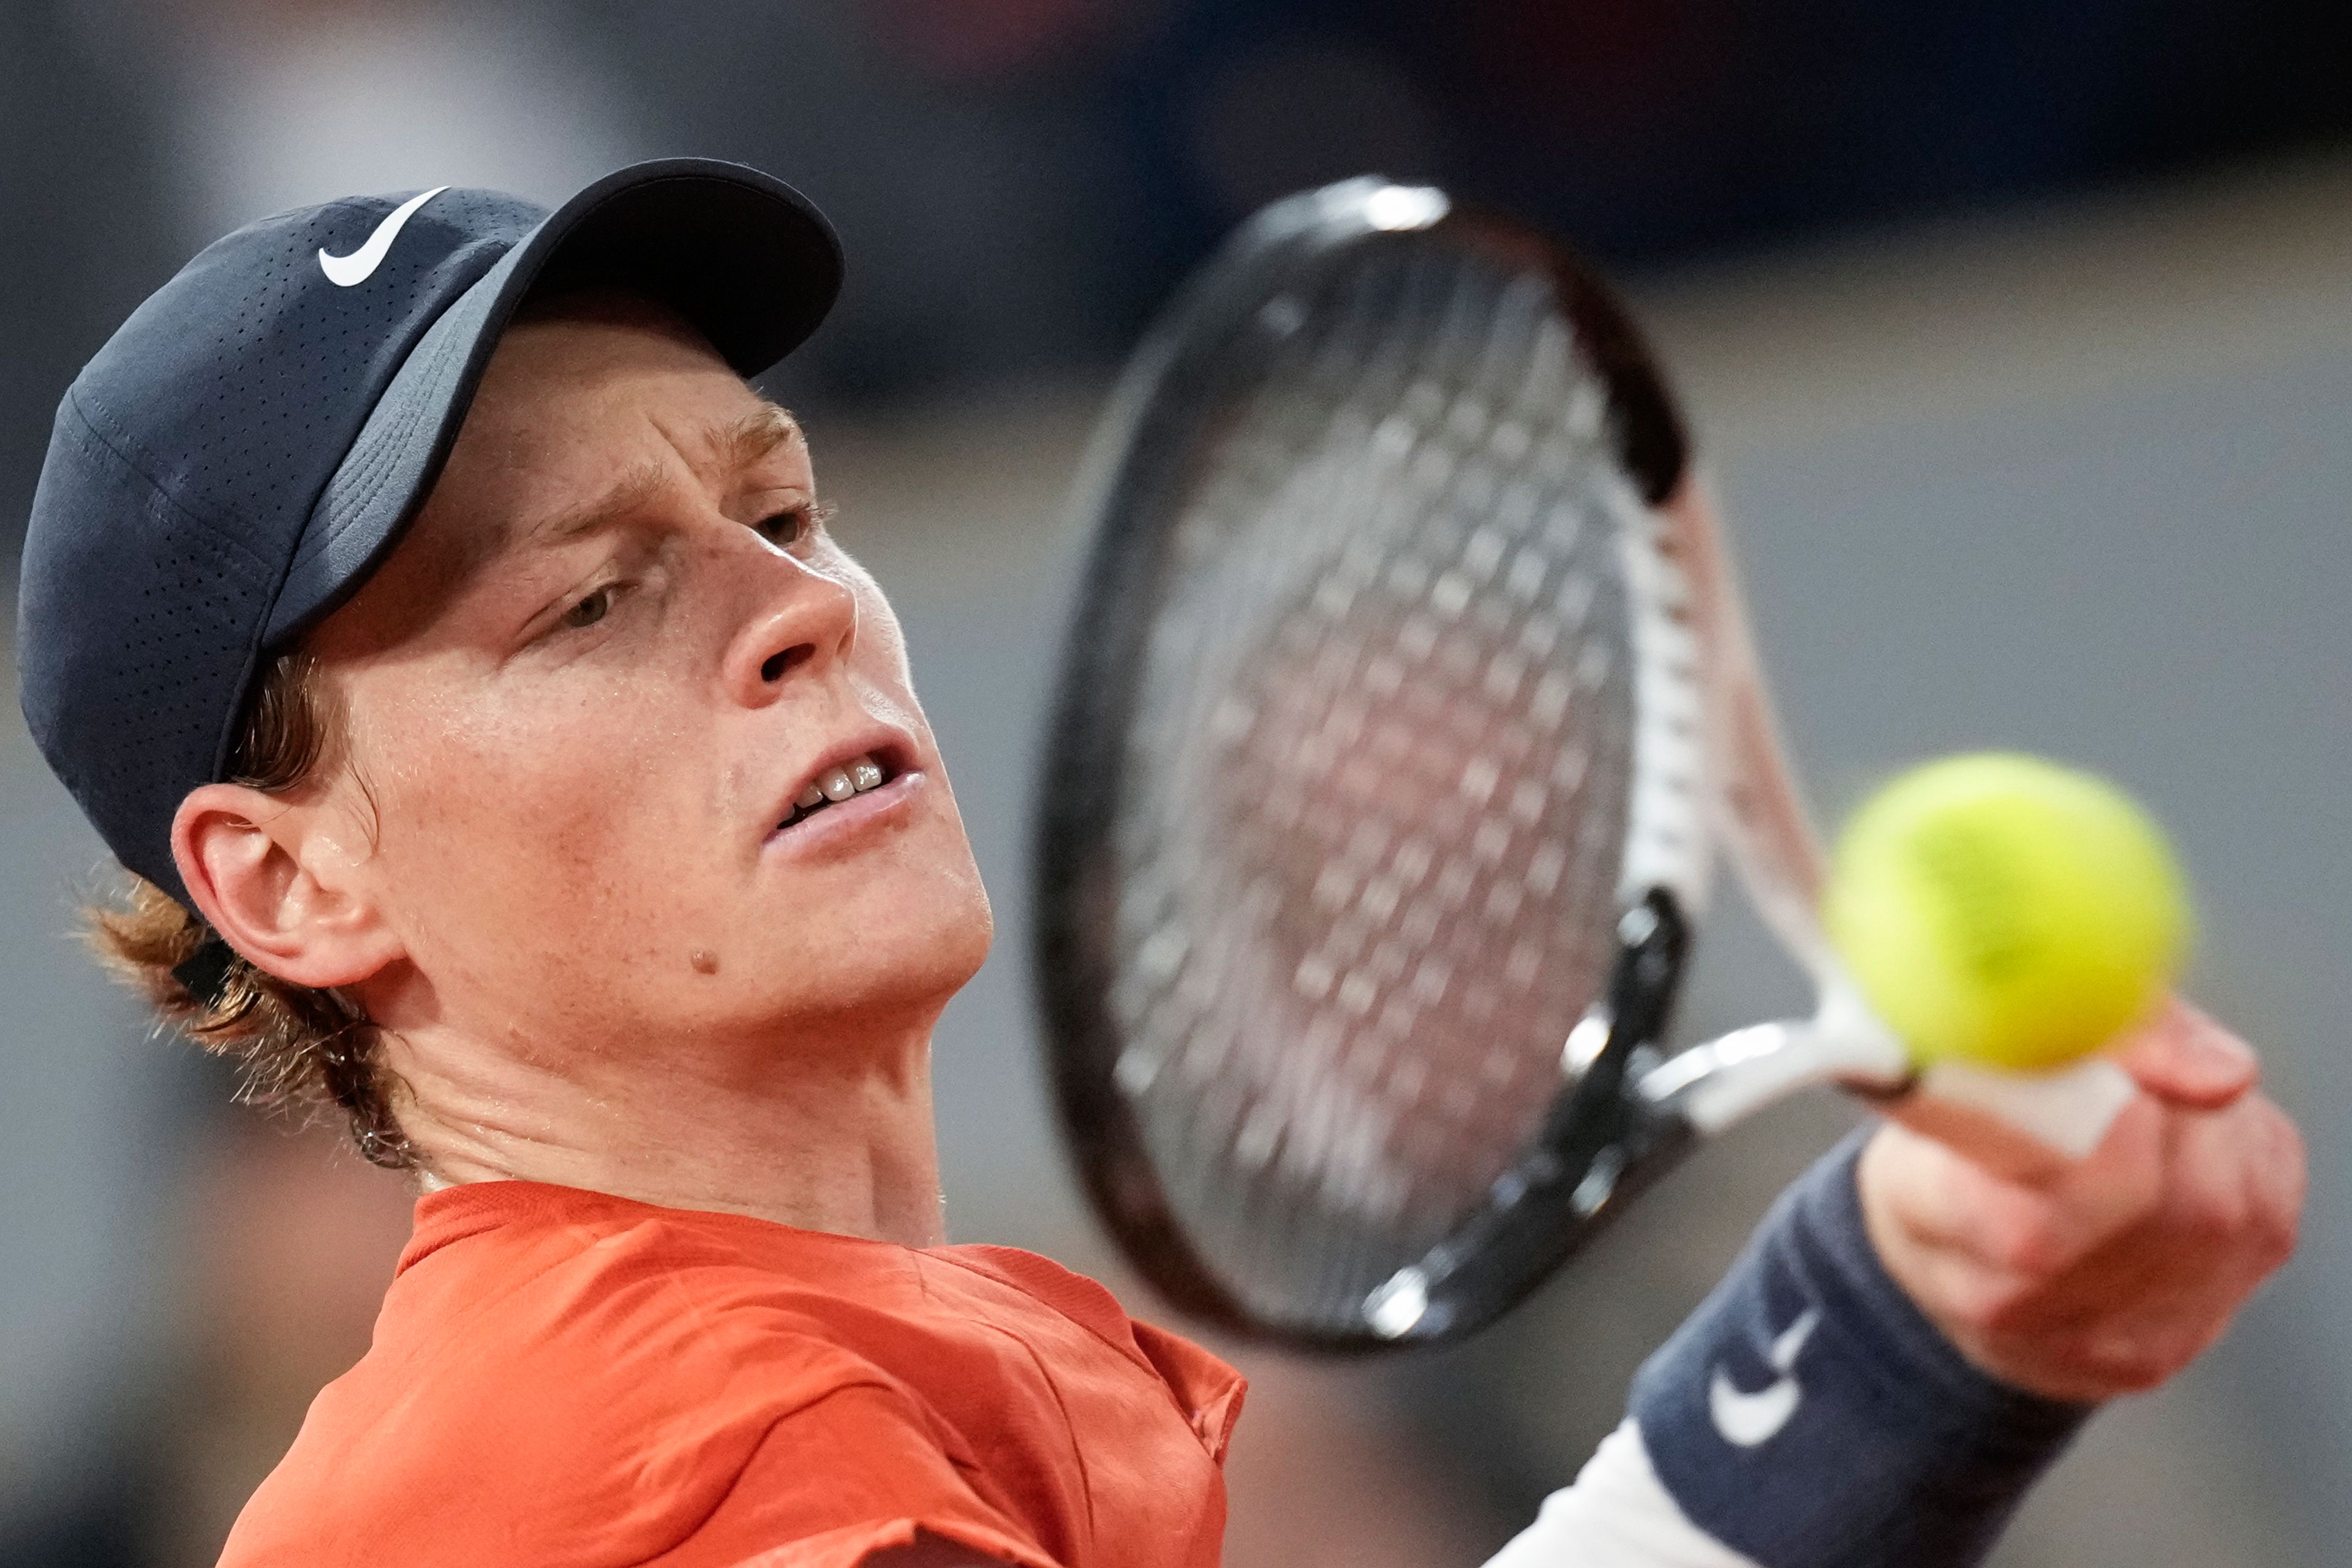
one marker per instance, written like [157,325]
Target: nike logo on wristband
[348,271]
[1745,1420]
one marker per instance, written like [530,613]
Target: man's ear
[278,880]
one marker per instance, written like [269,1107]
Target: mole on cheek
[705,962]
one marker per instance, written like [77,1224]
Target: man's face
[584,695]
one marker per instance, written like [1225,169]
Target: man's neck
[833,1135]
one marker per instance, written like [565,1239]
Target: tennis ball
[2006,911]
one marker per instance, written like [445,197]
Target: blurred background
[2021,338]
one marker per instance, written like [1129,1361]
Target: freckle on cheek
[705,962]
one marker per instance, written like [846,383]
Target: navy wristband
[1809,1415]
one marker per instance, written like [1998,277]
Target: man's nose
[805,619]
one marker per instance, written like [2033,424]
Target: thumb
[2186,1059]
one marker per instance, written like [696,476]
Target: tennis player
[449,642]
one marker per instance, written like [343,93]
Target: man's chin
[879,982]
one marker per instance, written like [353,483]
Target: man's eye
[786,529]
[590,610]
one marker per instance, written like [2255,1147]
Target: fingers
[2028,1228]
[2238,1183]
[2110,1279]
[1978,1135]
[2039,1219]
[2181,1060]
[2186,1059]
[2285,1180]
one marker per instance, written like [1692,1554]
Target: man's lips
[839,822]
[847,772]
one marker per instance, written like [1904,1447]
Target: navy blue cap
[252,441]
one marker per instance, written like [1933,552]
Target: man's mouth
[859,775]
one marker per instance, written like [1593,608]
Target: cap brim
[743,256]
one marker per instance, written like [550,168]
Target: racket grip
[2025,1126]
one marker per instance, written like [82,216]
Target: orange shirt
[561,1377]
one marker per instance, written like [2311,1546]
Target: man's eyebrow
[631,492]
[738,445]
[756,435]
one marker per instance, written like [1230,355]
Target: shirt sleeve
[1807,1416]
[853,1477]
[1617,1515]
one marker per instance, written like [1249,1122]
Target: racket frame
[1711,770]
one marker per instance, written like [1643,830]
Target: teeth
[853,777]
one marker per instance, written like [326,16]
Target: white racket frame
[1708,728]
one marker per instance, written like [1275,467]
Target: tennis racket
[1408,706]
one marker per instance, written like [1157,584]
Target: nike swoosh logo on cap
[345,271]
[1744,1420]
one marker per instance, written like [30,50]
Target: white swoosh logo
[344,271]
[1745,1420]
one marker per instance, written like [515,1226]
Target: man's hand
[2111,1275]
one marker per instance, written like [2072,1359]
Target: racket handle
[2026,1126]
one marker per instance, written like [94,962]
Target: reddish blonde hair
[307,1051]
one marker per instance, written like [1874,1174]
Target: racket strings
[1370,863]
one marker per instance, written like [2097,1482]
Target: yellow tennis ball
[2006,911]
